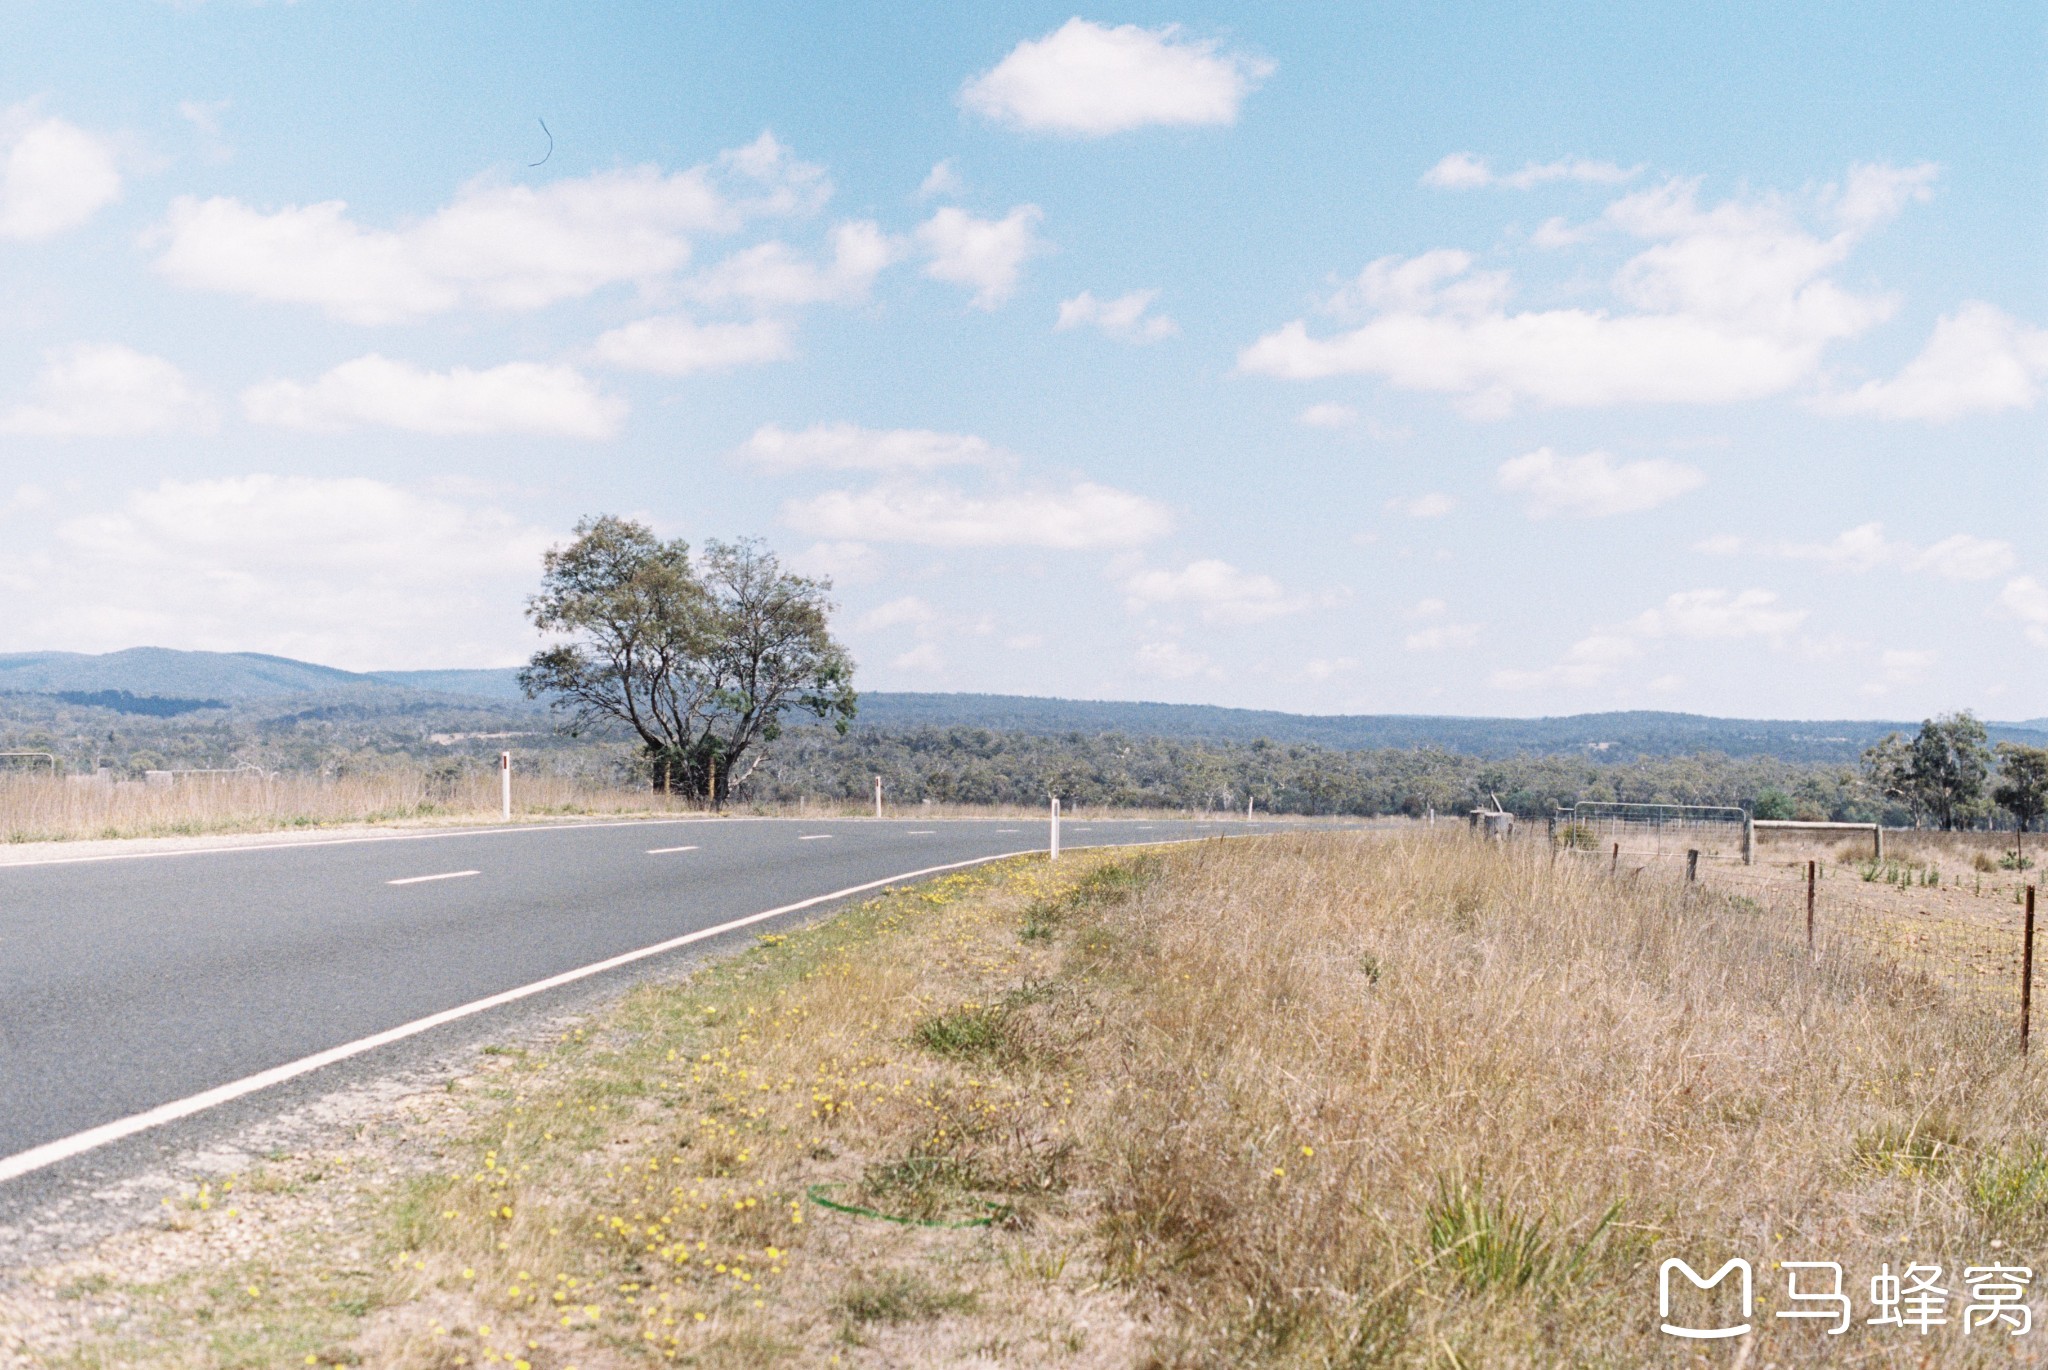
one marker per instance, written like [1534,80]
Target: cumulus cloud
[1124,318]
[519,397]
[2026,599]
[53,175]
[673,345]
[849,447]
[771,274]
[509,247]
[986,254]
[1594,485]
[1171,661]
[104,390]
[1086,515]
[1328,416]
[1220,591]
[941,182]
[1726,303]
[1087,80]
[1465,171]
[1866,547]
[1432,505]
[1978,360]
[1442,637]
[1695,615]
[353,572]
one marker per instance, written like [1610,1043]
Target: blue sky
[1533,359]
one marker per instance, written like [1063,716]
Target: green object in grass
[996,1212]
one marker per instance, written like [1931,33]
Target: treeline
[983,766]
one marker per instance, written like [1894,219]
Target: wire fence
[1956,938]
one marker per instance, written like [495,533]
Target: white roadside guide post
[1055,848]
[505,784]
[1247,808]
[878,796]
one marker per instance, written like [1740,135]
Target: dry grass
[41,809]
[1318,1100]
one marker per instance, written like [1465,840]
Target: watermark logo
[1915,1300]
[1703,1333]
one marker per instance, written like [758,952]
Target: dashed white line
[919,832]
[814,837]
[422,879]
[1007,830]
[49,1153]
[664,851]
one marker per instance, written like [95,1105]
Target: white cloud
[104,390]
[1123,318]
[499,246]
[1222,592]
[53,175]
[1865,547]
[771,274]
[1442,637]
[1697,615]
[1086,80]
[672,345]
[908,610]
[1171,661]
[847,563]
[1594,485]
[848,447]
[1728,303]
[518,397]
[1087,515]
[1459,171]
[1433,505]
[923,659]
[2026,599]
[354,573]
[1719,614]
[941,182]
[987,254]
[1464,171]
[1328,416]
[1978,360]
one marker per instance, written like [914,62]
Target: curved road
[130,983]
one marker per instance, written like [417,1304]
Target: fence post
[1749,839]
[1811,869]
[1055,848]
[2027,972]
[1692,865]
[505,784]
[1614,861]
[878,796]
[1877,839]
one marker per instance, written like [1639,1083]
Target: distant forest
[355,730]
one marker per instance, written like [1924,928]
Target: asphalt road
[127,984]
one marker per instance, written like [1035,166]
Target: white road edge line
[49,1153]
[423,879]
[664,851]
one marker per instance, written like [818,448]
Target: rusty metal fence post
[1692,866]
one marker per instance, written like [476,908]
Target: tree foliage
[1941,771]
[699,658]
[2022,788]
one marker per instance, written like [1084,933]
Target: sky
[1515,359]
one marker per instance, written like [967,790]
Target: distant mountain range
[161,682]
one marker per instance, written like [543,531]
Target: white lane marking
[1006,829]
[49,1153]
[664,851]
[423,879]
[370,837]
[919,832]
[814,837]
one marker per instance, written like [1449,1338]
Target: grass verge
[1311,1100]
